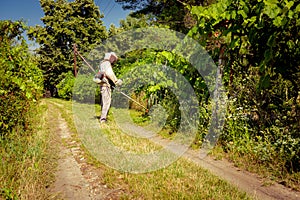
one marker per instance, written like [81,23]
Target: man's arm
[110,73]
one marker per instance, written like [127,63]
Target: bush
[82,88]
[65,86]
[262,126]
[20,81]
[85,90]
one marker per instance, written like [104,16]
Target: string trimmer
[146,109]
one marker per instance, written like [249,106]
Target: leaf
[168,55]
[242,12]
[289,4]
[268,55]
[271,40]
[197,10]
[297,8]
[233,14]
[23,87]
[193,31]
[264,82]
[271,8]
[28,95]
[279,21]
[234,43]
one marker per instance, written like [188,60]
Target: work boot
[103,123]
[102,120]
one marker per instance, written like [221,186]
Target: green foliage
[260,68]
[21,80]
[65,86]
[27,165]
[82,88]
[85,90]
[256,44]
[66,23]
[243,26]
[171,13]
[133,23]
[158,88]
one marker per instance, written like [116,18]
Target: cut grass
[180,180]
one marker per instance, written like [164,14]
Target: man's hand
[100,75]
[119,82]
[97,80]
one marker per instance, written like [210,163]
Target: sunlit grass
[181,179]
[27,160]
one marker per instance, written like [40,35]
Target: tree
[243,26]
[171,13]
[65,23]
[131,23]
[259,45]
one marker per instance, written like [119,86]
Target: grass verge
[269,172]
[27,160]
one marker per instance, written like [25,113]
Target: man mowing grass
[107,80]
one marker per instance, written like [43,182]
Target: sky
[31,12]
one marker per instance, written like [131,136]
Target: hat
[114,54]
[108,55]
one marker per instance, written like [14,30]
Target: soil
[245,181]
[76,178]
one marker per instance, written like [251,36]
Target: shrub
[82,88]
[65,86]
[20,80]
[85,90]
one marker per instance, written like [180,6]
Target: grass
[269,172]
[181,179]
[27,160]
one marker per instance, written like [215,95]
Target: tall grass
[26,159]
[267,151]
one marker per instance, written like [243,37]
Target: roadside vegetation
[28,159]
[183,179]
[255,45]
[25,166]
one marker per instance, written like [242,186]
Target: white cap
[108,55]
[114,54]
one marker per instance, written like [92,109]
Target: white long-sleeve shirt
[106,67]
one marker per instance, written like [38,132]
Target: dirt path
[77,179]
[244,180]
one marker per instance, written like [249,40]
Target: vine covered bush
[257,43]
[21,81]
[82,88]
[65,86]
[85,90]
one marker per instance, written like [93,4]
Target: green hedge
[21,81]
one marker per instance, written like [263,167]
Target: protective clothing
[106,79]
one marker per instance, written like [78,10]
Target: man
[107,79]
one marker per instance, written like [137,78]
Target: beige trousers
[105,101]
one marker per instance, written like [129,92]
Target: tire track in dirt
[245,181]
[76,179]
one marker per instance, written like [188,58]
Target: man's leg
[106,101]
